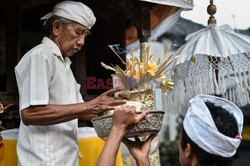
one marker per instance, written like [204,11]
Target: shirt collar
[55,49]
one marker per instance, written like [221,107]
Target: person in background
[210,135]
[49,96]
[211,132]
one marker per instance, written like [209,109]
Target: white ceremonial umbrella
[165,24]
[216,61]
[185,4]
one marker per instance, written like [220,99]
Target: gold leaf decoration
[144,73]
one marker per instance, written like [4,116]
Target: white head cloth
[74,11]
[201,129]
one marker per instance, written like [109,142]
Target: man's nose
[81,41]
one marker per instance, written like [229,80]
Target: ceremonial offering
[143,74]
[151,124]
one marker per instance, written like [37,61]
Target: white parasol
[166,23]
[216,61]
[185,4]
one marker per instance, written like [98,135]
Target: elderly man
[50,100]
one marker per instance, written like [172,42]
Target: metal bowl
[151,124]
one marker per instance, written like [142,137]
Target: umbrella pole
[144,26]
[211,10]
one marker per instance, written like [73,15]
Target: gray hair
[48,27]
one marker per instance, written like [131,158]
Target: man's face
[71,38]
[184,161]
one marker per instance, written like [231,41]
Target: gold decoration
[142,75]
[194,59]
[2,108]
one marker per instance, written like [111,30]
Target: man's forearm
[109,152]
[143,162]
[53,114]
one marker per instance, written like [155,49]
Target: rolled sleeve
[34,78]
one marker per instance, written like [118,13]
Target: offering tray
[151,124]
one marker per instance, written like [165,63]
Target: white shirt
[44,77]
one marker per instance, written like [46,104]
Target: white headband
[201,129]
[74,11]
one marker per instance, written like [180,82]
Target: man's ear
[57,28]
[188,151]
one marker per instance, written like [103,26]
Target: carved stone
[151,124]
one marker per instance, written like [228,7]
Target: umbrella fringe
[234,88]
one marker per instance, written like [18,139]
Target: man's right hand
[124,117]
[105,102]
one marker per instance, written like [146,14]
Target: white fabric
[218,41]
[74,11]
[200,127]
[44,77]
[215,60]
[186,4]
[11,134]
[86,132]
[83,132]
